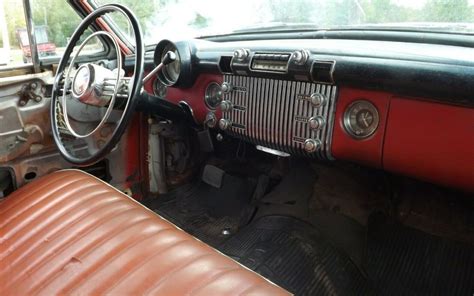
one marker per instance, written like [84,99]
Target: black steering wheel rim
[134,92]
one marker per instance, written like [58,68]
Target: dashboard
[404,107]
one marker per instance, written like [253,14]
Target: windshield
[179,19]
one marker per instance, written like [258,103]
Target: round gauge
[213,95]
[170,72]
[159,89]
[361,119]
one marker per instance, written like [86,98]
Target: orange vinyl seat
[70,233]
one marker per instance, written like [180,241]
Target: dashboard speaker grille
[275,113]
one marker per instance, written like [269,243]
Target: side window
[54,20]
[12,18]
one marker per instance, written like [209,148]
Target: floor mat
[405,261]
[210,214]
[292,254]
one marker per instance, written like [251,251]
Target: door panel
[27,149]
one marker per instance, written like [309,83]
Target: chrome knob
[224,124]
[241,54]
[226,106]
[211,120]
[312,145]
[318,100]
[226,87]
[316,122]
[300,57]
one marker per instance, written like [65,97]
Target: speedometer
[171,71]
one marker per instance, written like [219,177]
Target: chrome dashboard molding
[272,151]
[272,110]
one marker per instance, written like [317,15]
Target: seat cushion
[70,233]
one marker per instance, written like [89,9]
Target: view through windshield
[191,18]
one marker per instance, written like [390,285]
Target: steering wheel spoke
[60,84]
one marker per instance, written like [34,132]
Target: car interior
[153,150]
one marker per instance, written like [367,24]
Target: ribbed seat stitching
[16,201]
[69,223]
[66,244]
[46,212]
[175,270]
[83,256]
[138,266]
[44,198]
[211,279]
[251,287]
[98,267]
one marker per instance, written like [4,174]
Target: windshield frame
[379,31]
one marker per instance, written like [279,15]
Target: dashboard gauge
[170,73]
[159,89]
[361,119]
[180,73]
[213,95]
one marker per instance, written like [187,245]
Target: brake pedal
[213,176]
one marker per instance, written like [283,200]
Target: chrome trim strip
[272,151]
[271,111]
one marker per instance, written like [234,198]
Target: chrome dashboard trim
[272,111]
[272,151]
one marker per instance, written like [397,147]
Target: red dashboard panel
[193,96]
[367,151]
[431,141]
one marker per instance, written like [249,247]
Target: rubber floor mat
[406,261]
[208,213]
[292,254]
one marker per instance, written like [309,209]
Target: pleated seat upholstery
[70,233]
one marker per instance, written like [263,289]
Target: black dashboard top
[437,72]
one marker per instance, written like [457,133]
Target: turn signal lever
[160,106]
[167,59]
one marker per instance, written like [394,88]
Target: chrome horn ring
[90,88]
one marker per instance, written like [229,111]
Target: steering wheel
[97,91]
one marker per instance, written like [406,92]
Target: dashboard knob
[226,87]
[241,54]
[224,124]
[211,120]
[312,145]
[318,100]
[316,122]
[226,106]
[300,57]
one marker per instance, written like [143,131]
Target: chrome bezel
[157,84]
[207,96]
[348,124]
[164,75]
